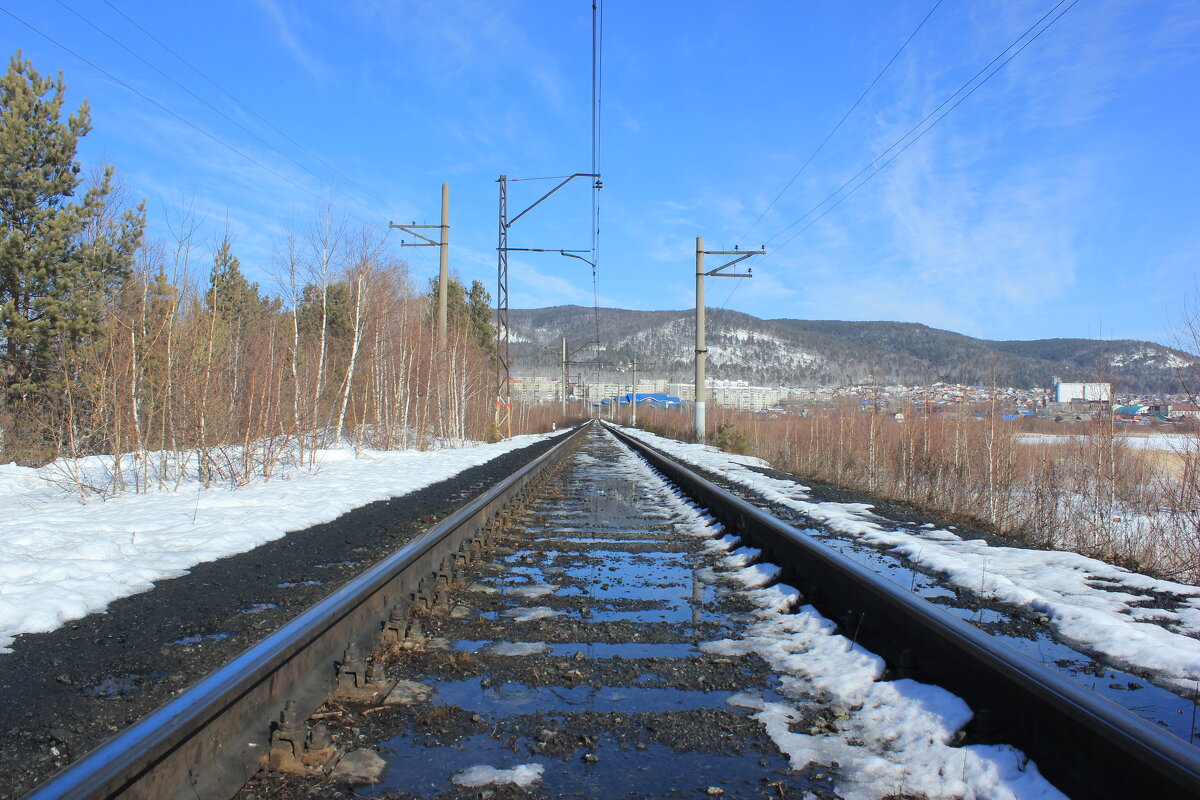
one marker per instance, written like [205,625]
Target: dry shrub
[1088,493]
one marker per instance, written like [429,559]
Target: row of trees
[169,366]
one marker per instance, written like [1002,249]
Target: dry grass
[1086,492]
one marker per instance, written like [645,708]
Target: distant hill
[795,352]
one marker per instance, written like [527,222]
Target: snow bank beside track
[61,559]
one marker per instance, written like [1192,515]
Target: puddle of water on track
[197,638]
[258,608]
[112,686]
[517,698]
[591,649]
[656,771]
[606,582]
[606,540]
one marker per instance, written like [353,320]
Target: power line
[597,103]
[247,108]
[162,107]
[845,116]
[929,116]
[225,116]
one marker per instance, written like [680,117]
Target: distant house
[1183,411]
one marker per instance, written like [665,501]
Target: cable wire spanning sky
[1010,169]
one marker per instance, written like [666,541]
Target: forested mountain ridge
[793,352]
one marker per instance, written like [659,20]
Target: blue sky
[1060,199]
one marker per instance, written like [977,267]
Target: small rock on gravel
[358,767]
[407,693]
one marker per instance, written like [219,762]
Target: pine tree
[336,315]
[473,306]
[479,312]
[60,261]
[230,294]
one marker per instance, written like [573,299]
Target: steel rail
[209,740]
[1083,743]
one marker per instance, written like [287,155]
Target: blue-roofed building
[1130,411]
[645,399]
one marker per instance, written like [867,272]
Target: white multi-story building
[740,394]
[534,389]
[731,394]
[1066,392]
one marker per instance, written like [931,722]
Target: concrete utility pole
[443,260]
[562,386]
[633,420]
[701,348]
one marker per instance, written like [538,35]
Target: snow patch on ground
[61,559]
[532,590]
[743,556]
[483,775]
[530,614]
[1090,604]
[1167,442]
[518,648]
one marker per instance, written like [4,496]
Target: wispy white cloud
[284,29]
[473,43]
[534,287]
[177,165]
[986,218]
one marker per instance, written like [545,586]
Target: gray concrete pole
[633,422]
[563,382]
[444,268]
[701,392]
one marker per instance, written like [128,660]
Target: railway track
[584,630]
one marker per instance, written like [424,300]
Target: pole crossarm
[443,244]
[503,371]
[592,343]
[412,231]
[569,253]
[564,182]
[742,255]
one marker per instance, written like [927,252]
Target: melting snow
[482,775]
[1062,586]
[887,737]
[61,559]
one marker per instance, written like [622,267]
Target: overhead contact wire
[929,116]
[845,116]
[246,107]
[164,108]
